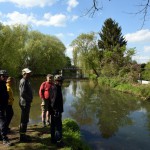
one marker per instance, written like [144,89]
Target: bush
[71,125]
[72,135]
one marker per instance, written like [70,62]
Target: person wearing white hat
[26,97]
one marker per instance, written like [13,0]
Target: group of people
[50,93]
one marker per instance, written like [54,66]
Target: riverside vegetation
[142,91]
[41,139]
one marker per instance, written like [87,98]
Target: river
[109,120]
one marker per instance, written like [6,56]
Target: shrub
[71,125]
[72,135]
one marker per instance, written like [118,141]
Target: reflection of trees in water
[146,105]
[113,111]
[83,112]
[66,83]
[110,108]
[74,87]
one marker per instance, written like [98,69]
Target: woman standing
[9,110]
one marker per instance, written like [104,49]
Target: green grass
[137,89]
[41,139]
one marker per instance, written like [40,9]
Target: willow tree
[12,41]
[85,52]
[43,53]
[21,47]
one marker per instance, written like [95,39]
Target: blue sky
[65,19]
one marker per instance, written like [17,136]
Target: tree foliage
[114,56]
[146,72]
[112,43]
[107,56]
[21,47]
[85,52]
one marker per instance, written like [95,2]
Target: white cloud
[72,4]
[146,48]
[140,40]
[139,36]
[31,3]
[18,18]
[69,50]
[57,20]
[141,59]
[75,17]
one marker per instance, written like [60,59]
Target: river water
[108,120]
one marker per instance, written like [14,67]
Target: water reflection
[108,119]
[106,114]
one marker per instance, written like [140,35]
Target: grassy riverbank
[119,84]
[41,139]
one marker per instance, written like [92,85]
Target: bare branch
[92,10]
[144,10]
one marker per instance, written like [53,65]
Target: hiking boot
[7,143]
[53,141]
[24,138]
[60,143]
[8,130]
[44,124]
[1,138]
[48,123]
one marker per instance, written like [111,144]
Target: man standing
[25,100]
[3,106]
[46,94]
[56,116]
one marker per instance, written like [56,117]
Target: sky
[66,19]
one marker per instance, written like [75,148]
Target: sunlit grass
[41,138]
[137,89]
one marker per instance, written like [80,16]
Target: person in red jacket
[46,93]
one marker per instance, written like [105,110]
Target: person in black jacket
[3,106]
[56,116]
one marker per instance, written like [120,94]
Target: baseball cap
[3,72]
[26,70]
[49,75]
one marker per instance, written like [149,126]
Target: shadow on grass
[40,139]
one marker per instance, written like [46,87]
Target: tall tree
[85,52]
[114,56]
[23,48]
[112,44]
